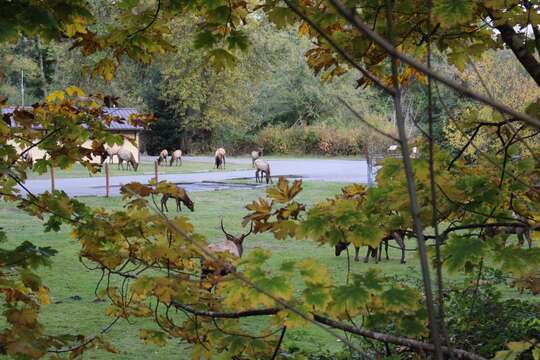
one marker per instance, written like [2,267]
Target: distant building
[127,130]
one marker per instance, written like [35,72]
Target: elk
[523,232]
[397,235]
[124,154]
[255,154]
[233,245]
[29,158]
[262,167]
[176,157]
[162,156]
[181,197]
[220,158]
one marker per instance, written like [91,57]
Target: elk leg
[164,204]
[379,254]
[386,249]
[267,177]
[366,259]
[356,250]
[178,206]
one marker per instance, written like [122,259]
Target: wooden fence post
[107,180]
[53,186]
[156,168]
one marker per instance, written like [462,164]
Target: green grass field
[145,168]
[68,278]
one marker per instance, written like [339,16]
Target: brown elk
[232,245]
[125,154]
[523,232]
[397,235]
[162,156]
[180,196]
[220,158]
[176,157]
[255,154]
[262,167]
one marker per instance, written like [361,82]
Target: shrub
[321,140]
[483,322]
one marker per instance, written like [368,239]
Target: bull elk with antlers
[232,245]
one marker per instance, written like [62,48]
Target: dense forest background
[271,99]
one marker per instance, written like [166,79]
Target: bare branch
[364,121]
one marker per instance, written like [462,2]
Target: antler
[250,230]
[223,228]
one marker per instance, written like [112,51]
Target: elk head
[340,246]
[238,241]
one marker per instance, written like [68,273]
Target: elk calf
[181,197]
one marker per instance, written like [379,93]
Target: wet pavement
[345,171]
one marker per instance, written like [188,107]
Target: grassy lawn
[145,168]
[72,286]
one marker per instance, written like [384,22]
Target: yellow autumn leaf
[74,91]
[43,295]
[56,96]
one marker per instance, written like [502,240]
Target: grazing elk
[233,245]
[180,197]
[176,157]
[523,232]
[262,167]
[255,154]
[29,158]
[125,154]
[220,158]
[162,156]
[397,235]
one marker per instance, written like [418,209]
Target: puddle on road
[233,184]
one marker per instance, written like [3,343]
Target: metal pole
[53,187]
[22,88]
[107,180]
[369,166]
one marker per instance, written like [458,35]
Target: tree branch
[519,47]
[355,20]
[392,339]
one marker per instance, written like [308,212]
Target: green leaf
[281,16]
[453,12]
[221,59]
[238,40]
[204,40]
[461,251]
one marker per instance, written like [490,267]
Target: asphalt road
[346,171]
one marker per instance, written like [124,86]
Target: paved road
[308,169]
